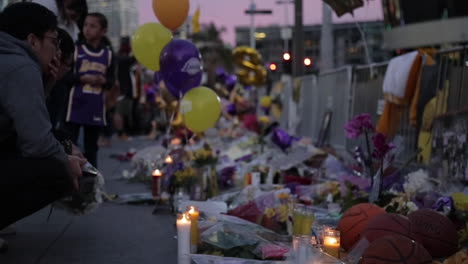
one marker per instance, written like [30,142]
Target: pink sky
[230,13]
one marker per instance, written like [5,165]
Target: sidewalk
[113,234]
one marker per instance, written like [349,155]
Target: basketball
[395,249]
[435,232]
[387,225]
[354,221]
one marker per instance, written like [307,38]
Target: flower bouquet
[376,155]
[88,197]
[204,157]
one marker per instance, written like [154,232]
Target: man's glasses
[55,40]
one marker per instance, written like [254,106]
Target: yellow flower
[283,196]
[264,119]
[265,101]
[460,200]
[270,212]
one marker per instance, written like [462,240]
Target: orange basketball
[387,225]
[354,221]
[435,232]
[395,249]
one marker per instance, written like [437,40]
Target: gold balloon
[251,70]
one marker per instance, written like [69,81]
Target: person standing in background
[57,97]
[94,72]
[70,14]
[123,117]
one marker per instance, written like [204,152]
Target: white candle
[183,239]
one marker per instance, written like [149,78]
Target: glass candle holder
[298,213]
[331,242]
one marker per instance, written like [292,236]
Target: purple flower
[381,146]
[358,125]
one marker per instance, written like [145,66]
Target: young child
[94,70]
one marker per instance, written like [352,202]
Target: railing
[349,91]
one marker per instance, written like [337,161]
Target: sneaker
[3,245]
[7,231]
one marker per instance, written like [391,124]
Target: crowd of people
[59,76]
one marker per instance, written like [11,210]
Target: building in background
[122,16]
[349,45]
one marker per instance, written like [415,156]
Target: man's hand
[77,152]
[75,164]
[53,69]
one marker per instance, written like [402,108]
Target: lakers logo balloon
[251,70]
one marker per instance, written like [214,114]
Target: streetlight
[286,31]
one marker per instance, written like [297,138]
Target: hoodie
[24,120]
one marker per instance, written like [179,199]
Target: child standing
[94,71]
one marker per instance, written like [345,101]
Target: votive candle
[157,174]
[331,242]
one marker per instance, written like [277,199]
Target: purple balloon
[231,81]
[181,67]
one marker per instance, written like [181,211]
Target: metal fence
[349,91]
[328,92]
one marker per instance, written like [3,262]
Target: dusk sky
[230,13]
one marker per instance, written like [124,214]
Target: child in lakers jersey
[94,72]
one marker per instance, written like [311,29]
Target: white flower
[417,181]
[412,207]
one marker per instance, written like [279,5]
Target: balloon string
[168,131]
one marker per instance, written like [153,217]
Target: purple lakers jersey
[86,104]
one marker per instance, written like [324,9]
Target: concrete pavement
[113,234]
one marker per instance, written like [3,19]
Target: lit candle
[183,239]
[157,174]
[331,243]
[194,214]
[168,160]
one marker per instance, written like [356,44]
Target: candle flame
[157,173]
[330,241]
[192,210]
[168,160]
[185,219]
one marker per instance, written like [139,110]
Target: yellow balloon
[148,42]
[200,108]
[265,101]
[171,13]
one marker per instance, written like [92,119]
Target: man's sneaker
[7,231]
[3,245]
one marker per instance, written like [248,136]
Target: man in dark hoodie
[35,170]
